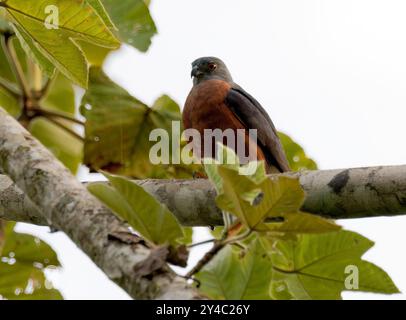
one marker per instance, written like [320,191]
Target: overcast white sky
[332,74]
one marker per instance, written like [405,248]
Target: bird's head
[208,68]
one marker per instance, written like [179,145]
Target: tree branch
[337,194]
[65,203]
[15,205]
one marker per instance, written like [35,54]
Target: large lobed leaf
[78,20]
[256,197]
[59,97]
[314,267]
[118,127]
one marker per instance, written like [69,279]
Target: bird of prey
[217,102]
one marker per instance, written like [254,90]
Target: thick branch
[338,194]
[65,204]
[15,205]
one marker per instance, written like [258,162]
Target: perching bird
[216,102]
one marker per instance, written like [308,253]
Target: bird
[217,102]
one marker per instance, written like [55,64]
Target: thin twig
[238,238]
[201,243]
[47,86]
[218,245]
[198,283]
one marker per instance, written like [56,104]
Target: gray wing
[254,116]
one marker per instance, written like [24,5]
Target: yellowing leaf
[76,20]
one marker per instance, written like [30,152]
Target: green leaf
[118,127]
[19,282]
[2,234]
[32,51]
[101,11]
[60,96]
[279,196]
[298,160]
[231,276]
[22,264]
[302,222]
[141,210]
[67,148]
[314,267]
[10,102]
[95,55]
[6,74]
[254,198]
[133,20]
[4,23]
[26,250]
[77,20]
[188,236]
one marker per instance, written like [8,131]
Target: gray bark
[15,205]
[337,194]
[65,204]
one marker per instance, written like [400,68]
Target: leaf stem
[55,114]
[201,243]
[9,89]
[37,78]
[241,237]
[47,86]
[16,66]
[68,130]
[218,245]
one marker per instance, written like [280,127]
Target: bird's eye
[212,66]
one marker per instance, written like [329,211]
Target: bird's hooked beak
[196,72]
